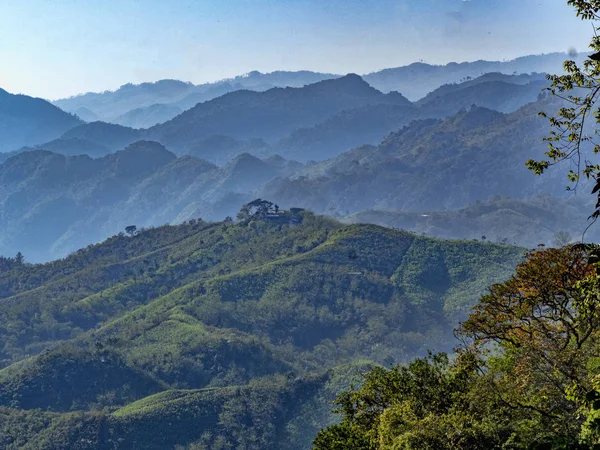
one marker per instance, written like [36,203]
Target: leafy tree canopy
[573,137]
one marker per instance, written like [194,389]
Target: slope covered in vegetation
[178,319]
[525,376]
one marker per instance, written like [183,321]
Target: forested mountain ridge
[111,105]
[209,305]
[279,412]
[428,165]
[269,115]
[28,121]
[52,204]
[550,221]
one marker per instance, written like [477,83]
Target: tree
[130,230]
[19,259]
[524,378]
[255,208]
[260,207]
[572,135]
[424,405]
[244,213]
[545,322]
[562,238]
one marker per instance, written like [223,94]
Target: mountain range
[235,334]
[54,202]
[209,266]
[338,146]
[429,164]
[316,121]
[148,104]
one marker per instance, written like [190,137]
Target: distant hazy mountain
[148,116]
[51,204]
[269,115]
[369,124]
[315,122]
[44,194]
[189,188]
[72,147]
[28,121]
[418,79]
[504,93]
[345,130]
[86,115]
[113,137]
[429,164]
[112,104]
[526,222]
[205,93]
[221,149]
[414,81]
[256,80]
[262,118]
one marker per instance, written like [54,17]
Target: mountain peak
[350,79]
[253,73]
[246,163]
[29,121]
[245,158]
[351,84]
[144,151]
[141,156]
[157,85]
[146,146]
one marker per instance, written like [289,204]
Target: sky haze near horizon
[54,49]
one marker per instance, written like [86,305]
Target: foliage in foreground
[525,378]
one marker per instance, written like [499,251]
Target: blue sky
[56,48]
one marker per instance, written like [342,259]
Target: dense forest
[223,325]
[524,378]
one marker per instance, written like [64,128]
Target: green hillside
[279,412]
[222,326]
